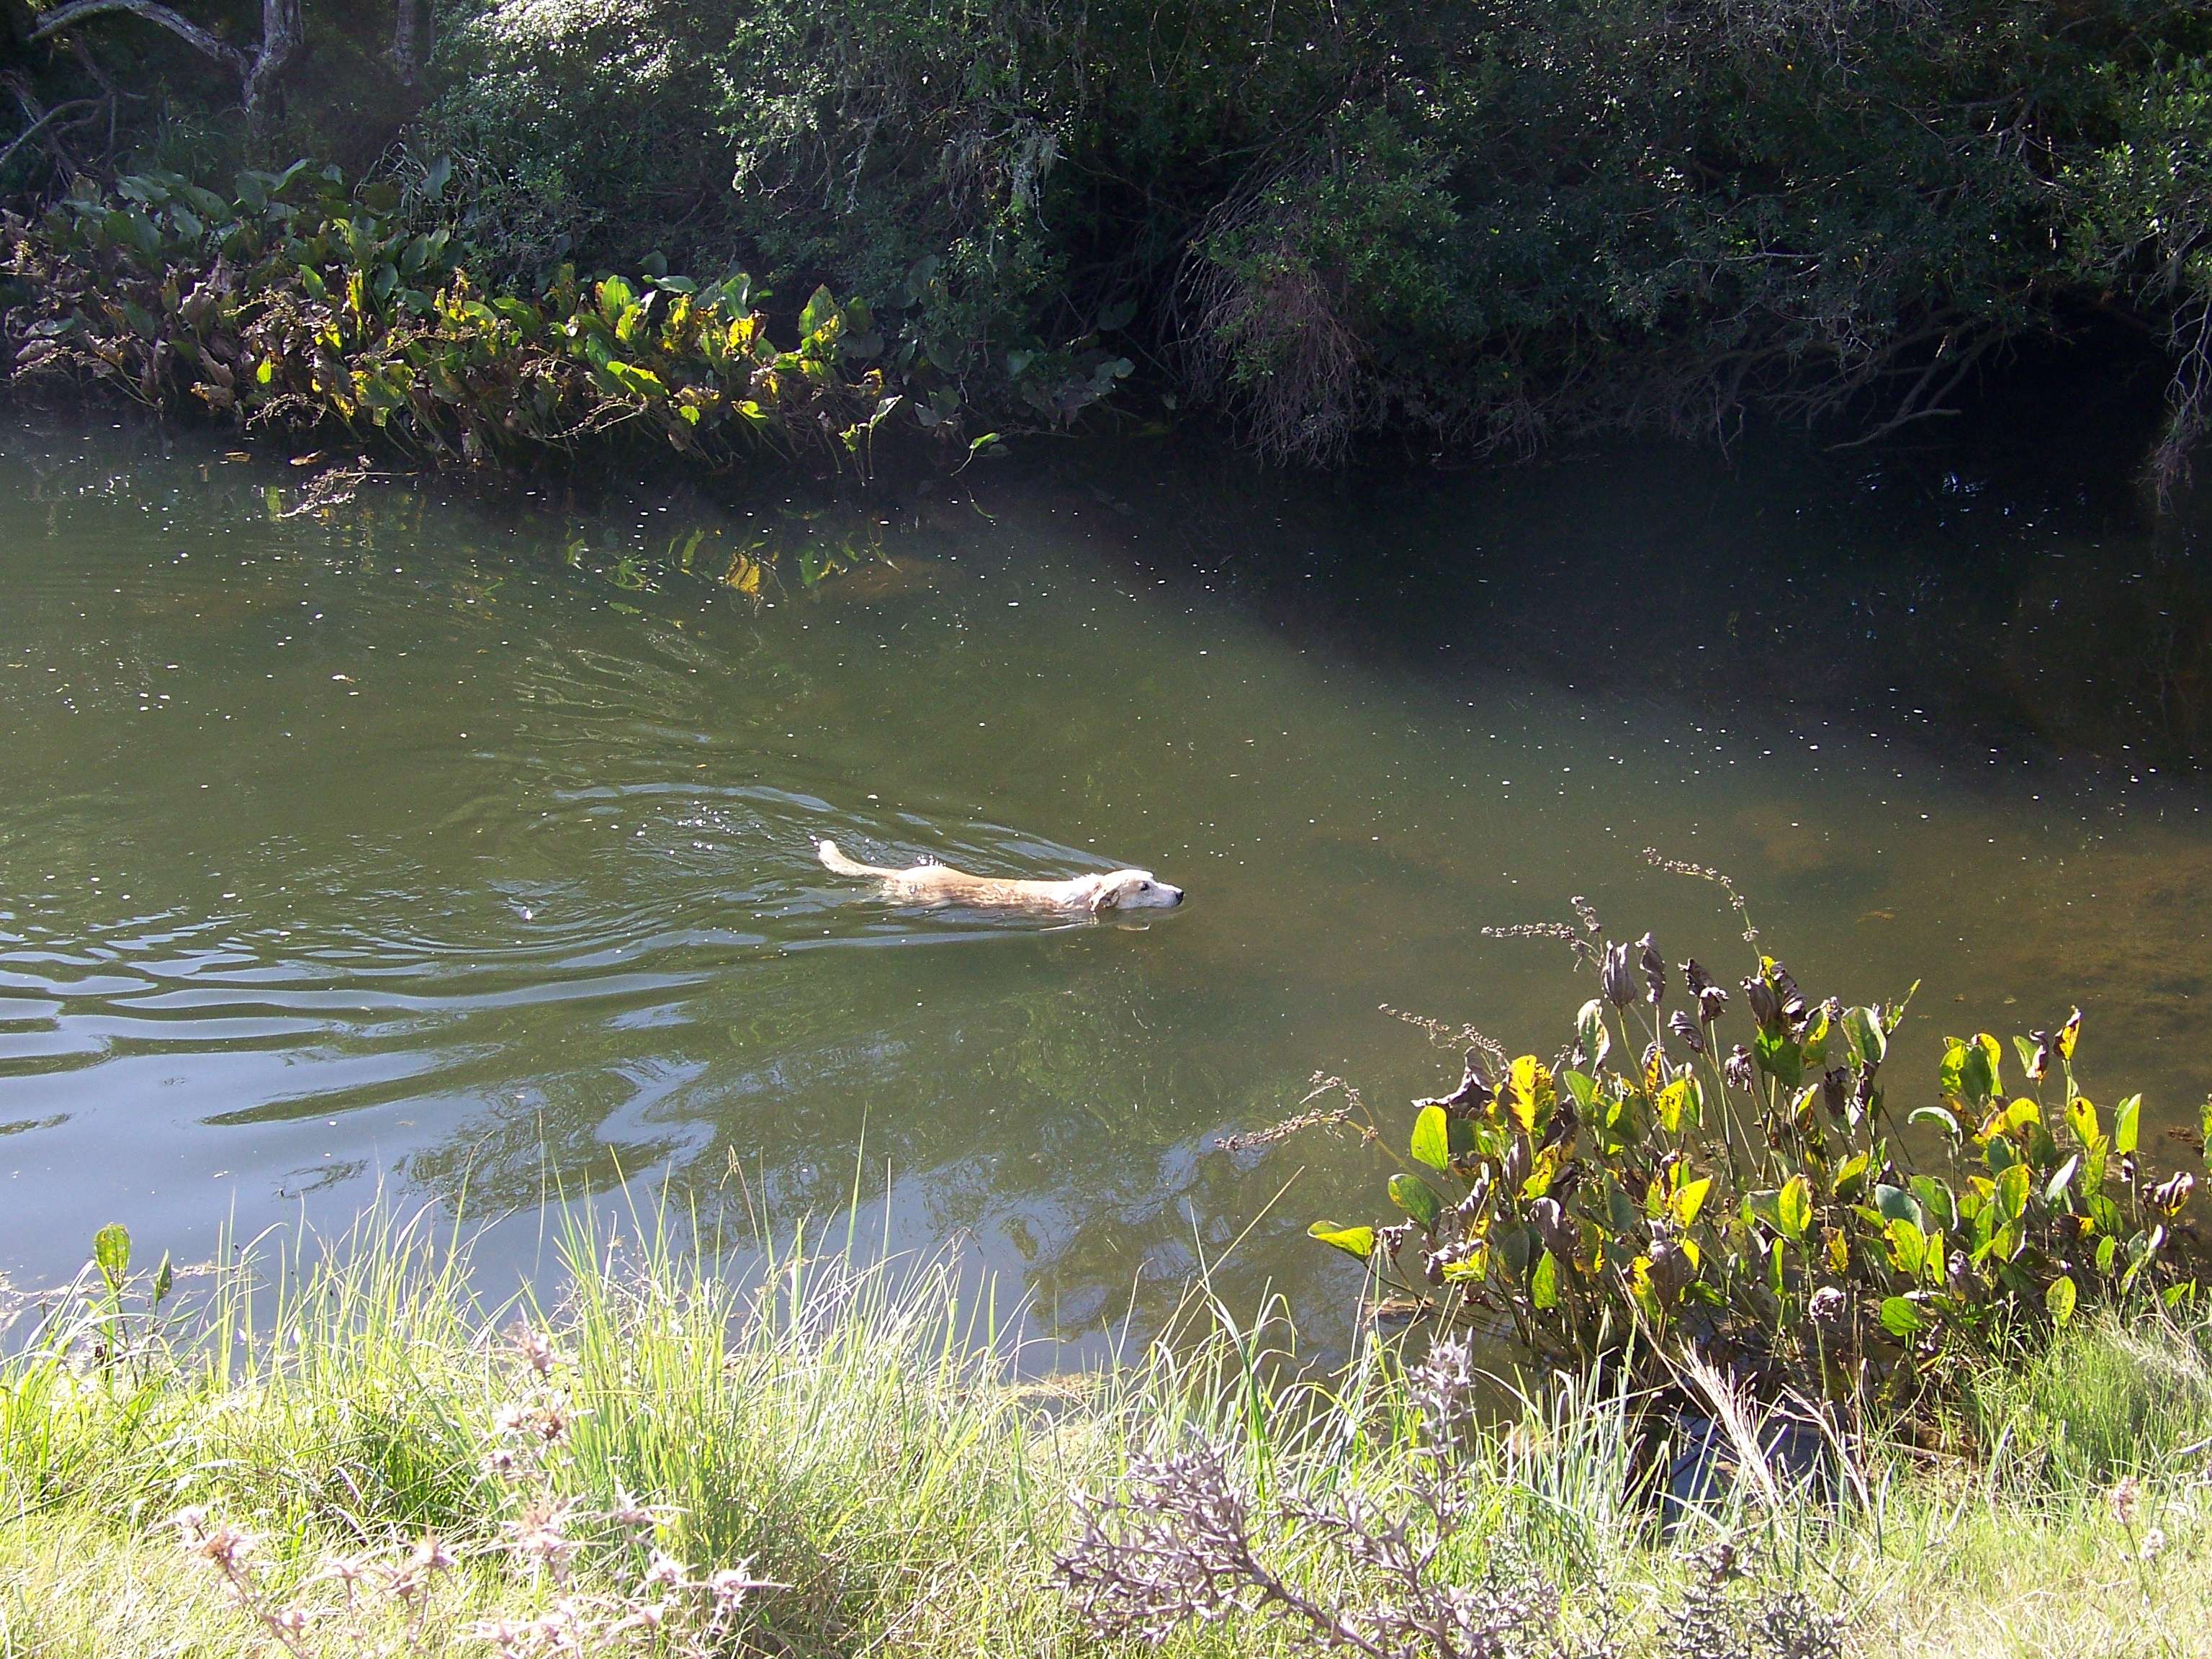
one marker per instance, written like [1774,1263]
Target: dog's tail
[834,859]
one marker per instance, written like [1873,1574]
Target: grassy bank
[849,1446]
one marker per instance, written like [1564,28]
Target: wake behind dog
[941,884]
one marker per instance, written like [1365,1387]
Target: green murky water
[463,851]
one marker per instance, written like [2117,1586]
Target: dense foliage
[1485,223]
[1478,225]
[1765,1206]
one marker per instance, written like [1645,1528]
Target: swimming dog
[939,884]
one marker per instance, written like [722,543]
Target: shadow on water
[468,849]
[2012,584]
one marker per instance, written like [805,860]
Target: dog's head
[1132,889]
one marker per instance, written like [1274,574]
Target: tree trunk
[411,39]
[281,34]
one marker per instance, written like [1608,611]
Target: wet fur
[939,884]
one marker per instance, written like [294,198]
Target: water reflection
[470,850]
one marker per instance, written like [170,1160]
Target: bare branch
[2189,401]
[256,70]
[183,27]
[38,125]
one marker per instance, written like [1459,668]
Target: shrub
[1484,226]
[584,128]
[1183,1543]
[1646,1195]
[901,151]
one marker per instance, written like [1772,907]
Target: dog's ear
[1105,895]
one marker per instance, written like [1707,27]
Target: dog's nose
[1177,899]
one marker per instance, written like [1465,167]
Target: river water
[461,853]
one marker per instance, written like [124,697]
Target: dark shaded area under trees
[1476,229]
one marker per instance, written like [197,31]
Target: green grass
[853,1435]
[2103,1401]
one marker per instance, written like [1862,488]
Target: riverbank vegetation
[302,307]
[343,1451]
[1758,1190]
[1475,229]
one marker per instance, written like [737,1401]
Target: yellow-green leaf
[1589,1030]
[1690,1198]
[1529,1094]
[820,311]
[2081,1118]
[1793,1207]
[1544,1283]
[642,381]
[1900,1317]
[2060,1299]
[1646,1293]
[111,1248]
[1993,1057]
[1474,1266]
[1862,1026]
[2012,1192]
[1908,1246]
[1416,1198]
[1432,1142]
[2127,1118]
[1352,1240]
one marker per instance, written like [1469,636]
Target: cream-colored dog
[939,884]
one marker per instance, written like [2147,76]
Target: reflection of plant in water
[813,553]
[1332,1118]
[1656,1191]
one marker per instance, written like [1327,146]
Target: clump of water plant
[1739,1186]
[300,305]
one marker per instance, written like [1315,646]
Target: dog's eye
[1144,887]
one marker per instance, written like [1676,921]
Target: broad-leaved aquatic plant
[1731,1179]
[302,306]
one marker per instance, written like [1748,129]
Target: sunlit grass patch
[2102,1401]
[853,1446]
